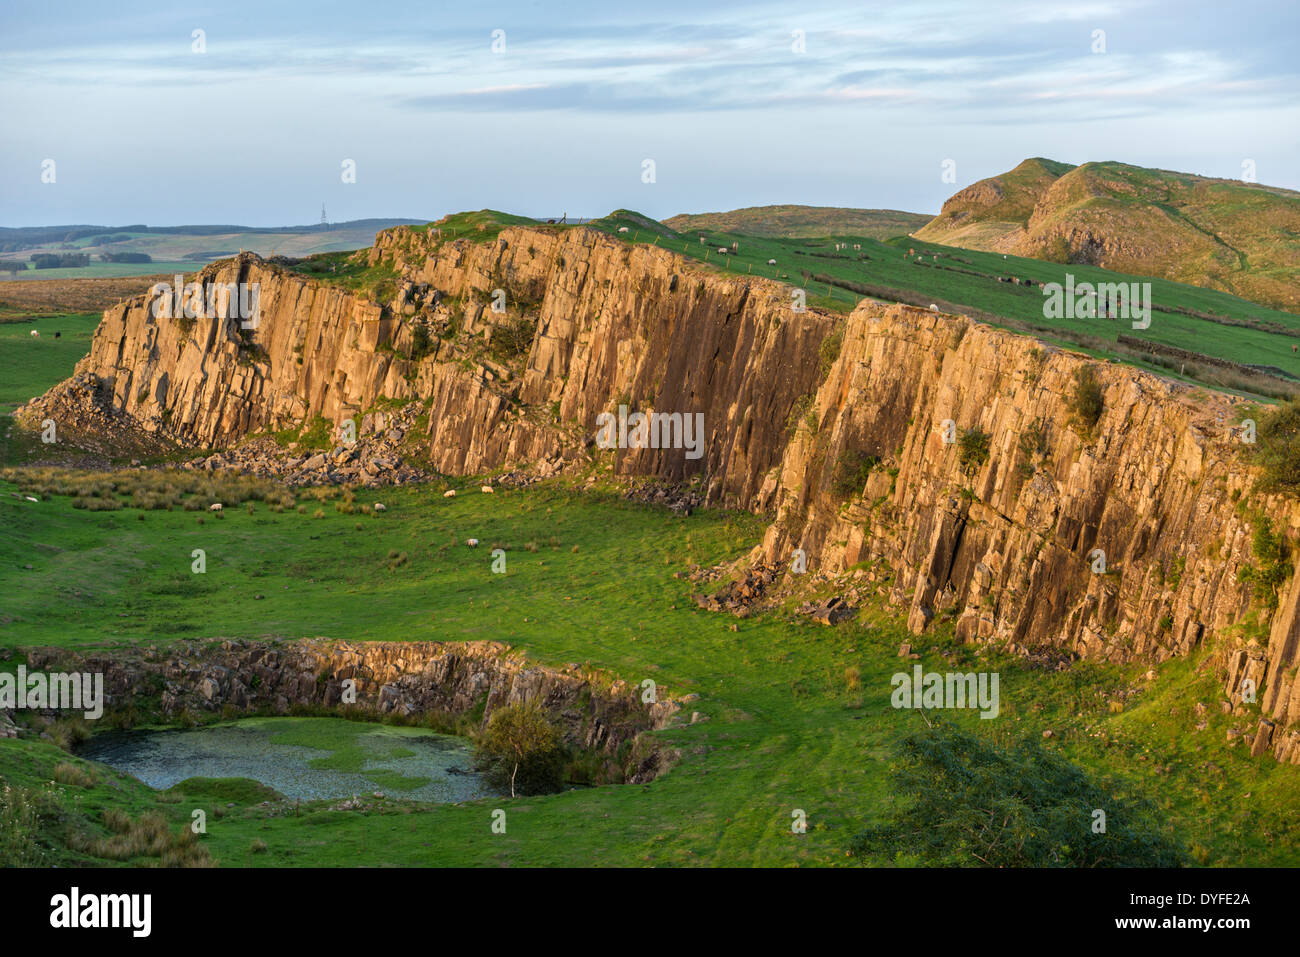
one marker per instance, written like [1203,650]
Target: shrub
[1086,400]
[851,472]
[830,348]
[520,749]
[970,802]
[1272,563]
[973,449]
[1277,447]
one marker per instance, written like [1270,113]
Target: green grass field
[28,367]
[799,714]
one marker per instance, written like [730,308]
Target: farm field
[797,715]
[30,366]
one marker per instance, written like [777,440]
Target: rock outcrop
[404,678]
[1120,540]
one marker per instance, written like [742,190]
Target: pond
[305,758]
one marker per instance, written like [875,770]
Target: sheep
[35,334]
[622,229]
[933,307]
[723,250]
[472,542]
[771,262]
[450,493]
[214,507]
[486,489]
[31,498]
[379,507]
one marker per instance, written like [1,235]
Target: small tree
[521,747]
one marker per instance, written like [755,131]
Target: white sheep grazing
[486,489]
[622,229]
[214,507]
[450,493]
[472,542]
[379,507]
[35,334]
[933,307]
[771,262]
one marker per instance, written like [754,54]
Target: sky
[258,113]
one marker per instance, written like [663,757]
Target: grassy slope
[788,727]
[802,221]
[1226,234]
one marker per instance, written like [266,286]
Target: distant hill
[803,221]
[1240,237]
[193,244]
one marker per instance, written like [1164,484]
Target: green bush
[830,348]
[1277,447]
[1086,400]
[1272,563]
[521,750]
[851,472]
[973,803]
[973,449]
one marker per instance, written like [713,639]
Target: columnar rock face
[1120,540]
[614,324]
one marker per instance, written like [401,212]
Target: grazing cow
[472,542]
[35,334]
[57,335]
[379,507]
[450,493]
[214,507]
[485,489]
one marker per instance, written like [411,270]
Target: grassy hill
[802,221]
[1224,234]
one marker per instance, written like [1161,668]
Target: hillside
[1240,237]
[803,221]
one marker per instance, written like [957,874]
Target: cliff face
[1123,539]
[609,324]
[1118,541]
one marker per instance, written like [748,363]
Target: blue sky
[255,129]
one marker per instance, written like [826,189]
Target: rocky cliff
[945,460]
[985,499]
[588,323]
